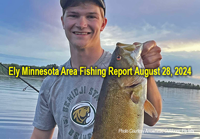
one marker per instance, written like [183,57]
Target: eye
[74,16]
[91,17]
[119,57]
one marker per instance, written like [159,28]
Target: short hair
[74,3]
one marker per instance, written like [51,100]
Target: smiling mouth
[81,33]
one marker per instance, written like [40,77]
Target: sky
[31,32]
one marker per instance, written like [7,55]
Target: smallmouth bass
[122,101]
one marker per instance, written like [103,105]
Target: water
[180,116]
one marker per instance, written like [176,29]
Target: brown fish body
[120,110]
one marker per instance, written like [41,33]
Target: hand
[151,55]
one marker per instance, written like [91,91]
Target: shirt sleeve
[44,119]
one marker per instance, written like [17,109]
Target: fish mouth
[138,80]
[133,85]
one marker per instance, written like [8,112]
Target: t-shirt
[70,102]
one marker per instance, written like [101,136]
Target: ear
[62,21]
[103,24]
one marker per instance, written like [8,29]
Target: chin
[80,45]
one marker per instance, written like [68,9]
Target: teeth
[81,33]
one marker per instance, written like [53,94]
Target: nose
[81,23]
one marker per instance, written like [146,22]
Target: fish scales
[121,101]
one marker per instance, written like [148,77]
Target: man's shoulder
[107,59]
[107,54]
[104,61]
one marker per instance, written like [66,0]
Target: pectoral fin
[150,109]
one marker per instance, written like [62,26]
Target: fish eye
[119,57]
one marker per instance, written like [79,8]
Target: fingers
[152,58]
[155,50]
[147,47]
[153,65]
[151,55]
[152,62]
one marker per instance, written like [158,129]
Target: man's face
[83,24]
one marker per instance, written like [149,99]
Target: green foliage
[177,85]
[4,71]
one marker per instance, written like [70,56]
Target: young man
[71,101]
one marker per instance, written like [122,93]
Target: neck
[85,57]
